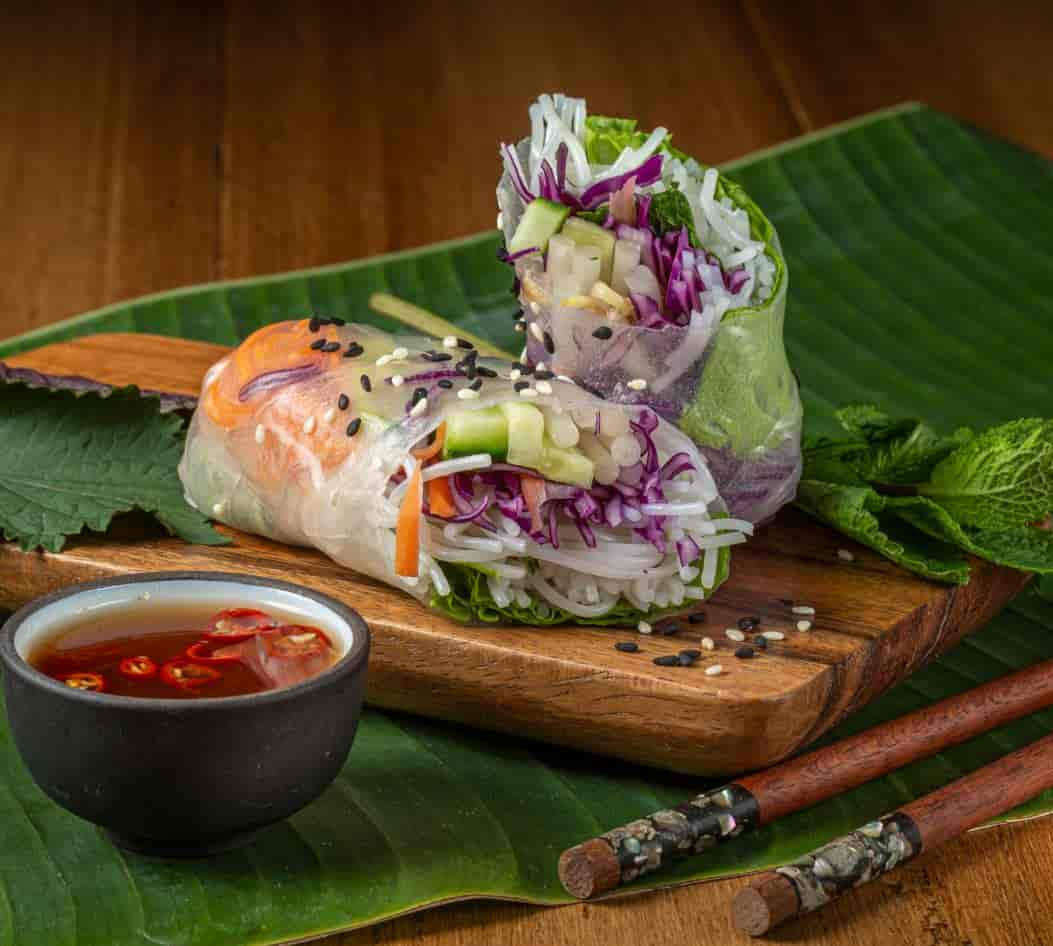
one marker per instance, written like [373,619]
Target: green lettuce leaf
[73,461]
[1002,479]
[875,521]
[606,138]
[470,601]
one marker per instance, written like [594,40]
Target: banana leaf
[918,254]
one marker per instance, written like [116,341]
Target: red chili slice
[188,674]
[208,652]
[239,623]
[85,681]
[140,667]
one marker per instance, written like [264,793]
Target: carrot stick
[440,498]
[407,531]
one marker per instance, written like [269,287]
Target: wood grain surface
[153,145]
[874,623]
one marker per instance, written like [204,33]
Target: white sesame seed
[528,393]
[308,425]
[734,634]
[260,433]
[643,627]
[845,555]
[804,625]
[515,374]
[543,387]
[773,635]
[714,670]
[637,384]
[466,394]
[397,381]
[803,609]
[537,332]
[329,415]
[708,643]
[541,366]
[450,341]
[419,408]
[217,509]
[400,353]
[383,360]
[563,377]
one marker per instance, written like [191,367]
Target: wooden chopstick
[876,848]
[649,843]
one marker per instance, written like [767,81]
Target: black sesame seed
[446,384]
[353,350]
[669,660]
[744,652]
[760,641]
[550,346]
[339,322]
[315,324]
[317,344]
[367,385]
[464,343]
[352,428]
[521,385]
[685,659]
[544,375]
[330,347]
[436,356]
[699,617]
[627,647]
[526,369]
[745,624]
[486,372]
[418,395]
[476,384]
[693,654]
[756,620]
[344,402]
[603,332]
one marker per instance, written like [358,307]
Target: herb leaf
[74,461]
[670,210]
[1001,479]
[874,520]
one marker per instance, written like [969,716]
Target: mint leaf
[72,461]
[863,514]
[1001,479]
[670,210]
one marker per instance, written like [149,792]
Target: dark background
[144,146]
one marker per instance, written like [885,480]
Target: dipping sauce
[177,652]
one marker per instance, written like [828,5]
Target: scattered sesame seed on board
[308,425]
[845,555]
[714,670]
[745,652]
[804,625]
[803,609]
[774,635]
[627,647]
[734,634]
[707,643]
[260,433]
[668,660]
[643,627]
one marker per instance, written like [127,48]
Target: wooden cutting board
[874,623]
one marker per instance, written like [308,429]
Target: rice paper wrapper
[727,384]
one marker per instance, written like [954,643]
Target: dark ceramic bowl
[184,778]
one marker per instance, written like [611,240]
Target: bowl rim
[354,659]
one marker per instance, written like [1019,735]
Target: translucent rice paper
[279,463]
[726,383]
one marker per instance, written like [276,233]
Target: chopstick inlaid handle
[645,845]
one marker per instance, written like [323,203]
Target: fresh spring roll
[652,279]
[486,490]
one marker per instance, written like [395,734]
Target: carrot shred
[440,498]
[424,454]
[534,495]
[407,531]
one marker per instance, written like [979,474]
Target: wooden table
[185,142]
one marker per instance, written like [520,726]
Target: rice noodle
[477,461]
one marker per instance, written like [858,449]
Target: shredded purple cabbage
[279,378]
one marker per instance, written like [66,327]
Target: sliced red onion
[472,515]
[516,173]
[561,165]
[587,534]
[687,550]
[276,379]
[647,173]
[643,210]
[678,463]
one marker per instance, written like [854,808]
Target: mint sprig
[74,460]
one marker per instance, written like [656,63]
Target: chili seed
[627,647]
[603,333]
[317,344]
[353,350]
[744,652]
[367,385]
[344,402]
[353,427]
[669,660]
